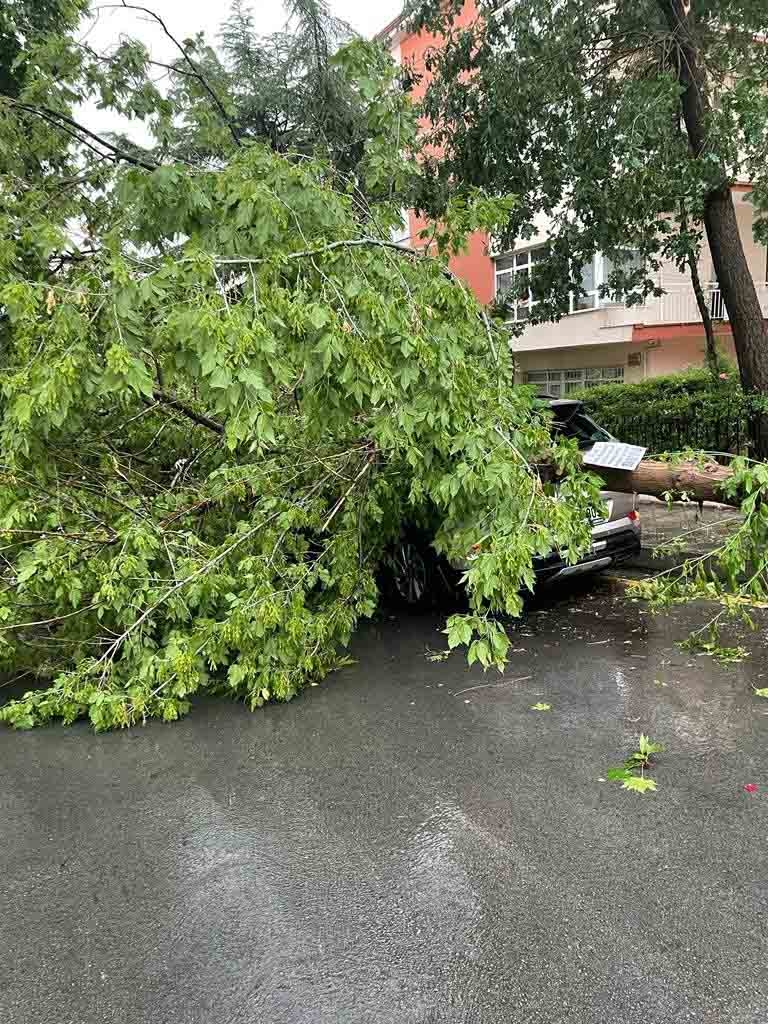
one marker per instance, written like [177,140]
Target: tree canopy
[223,391]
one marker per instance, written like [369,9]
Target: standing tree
[285,87]
[627,123]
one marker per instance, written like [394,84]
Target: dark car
[415,574]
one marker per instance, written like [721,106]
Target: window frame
[579,378]
[600,273]
[524,267]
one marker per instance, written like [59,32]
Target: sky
[185,18]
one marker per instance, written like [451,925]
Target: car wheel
[409,574]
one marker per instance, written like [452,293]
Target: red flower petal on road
[750,788]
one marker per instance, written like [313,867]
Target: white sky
[185,18]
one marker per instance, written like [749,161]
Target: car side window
[582,428]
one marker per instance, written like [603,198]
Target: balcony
[616,322]
[678,305]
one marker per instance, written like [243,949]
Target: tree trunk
[729,260]
[700,483]
[706,318]
[738,289]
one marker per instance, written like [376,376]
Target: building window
[513,277]
[560,383]
[401,233]
[595,277]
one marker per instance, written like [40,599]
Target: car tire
[407,574]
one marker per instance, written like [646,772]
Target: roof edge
[389,30]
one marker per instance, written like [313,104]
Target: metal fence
[725,431]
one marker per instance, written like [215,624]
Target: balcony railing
[678,305]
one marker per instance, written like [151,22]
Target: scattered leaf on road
[541,707]
[638,784]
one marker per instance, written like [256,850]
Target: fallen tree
[219,410]
[702,480]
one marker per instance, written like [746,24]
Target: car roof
[561,406]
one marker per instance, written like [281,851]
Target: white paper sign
[614,455]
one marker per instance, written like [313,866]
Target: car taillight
[634,515]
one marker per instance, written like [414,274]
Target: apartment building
[601,339]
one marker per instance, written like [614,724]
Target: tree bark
[738,290]
[750,336]
[706,317]
[700,483]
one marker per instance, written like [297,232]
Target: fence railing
[725,431]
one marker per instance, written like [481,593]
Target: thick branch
[64,121]
[181,407]
[702,483]
[706,317]
[701,302]
[345,243]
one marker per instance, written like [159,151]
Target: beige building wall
[588,356]
[662,336]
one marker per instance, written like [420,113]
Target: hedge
[674,412]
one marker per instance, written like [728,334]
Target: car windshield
[584,429]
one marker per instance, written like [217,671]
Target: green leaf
[138,378]
[541,706]
[221,378]
[618,774]
[647,746]
[761,692]
[27,572]
[459,631]
[479,650]
[639,784]
[317,316]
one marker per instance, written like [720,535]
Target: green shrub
[673,412]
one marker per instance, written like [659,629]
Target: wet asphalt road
[380,850]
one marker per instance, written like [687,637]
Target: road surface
[387,849]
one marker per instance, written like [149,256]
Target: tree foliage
[286,89]
[221,404]
[24,22]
